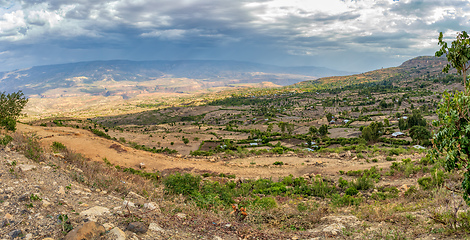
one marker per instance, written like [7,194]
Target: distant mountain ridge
[124,76]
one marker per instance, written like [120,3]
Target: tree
[372,132]
[451,140]
[11,106]
[290,128]
[270,128]
[402,124]
[458,55]
[416,120]
[420,134]
[386,122]
[282,126]
[312,130]
[383,104]
[329,116]
[323,130]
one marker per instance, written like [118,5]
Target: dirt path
[97,148]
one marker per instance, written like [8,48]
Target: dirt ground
[97,148]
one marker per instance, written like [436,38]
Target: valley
[303,159]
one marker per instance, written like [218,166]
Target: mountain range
[127,78]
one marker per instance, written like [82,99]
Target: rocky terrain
[40,201]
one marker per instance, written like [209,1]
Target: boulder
[88,231]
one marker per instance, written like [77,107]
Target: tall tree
[451,141]
[458,55]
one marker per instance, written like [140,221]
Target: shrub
[58,147]
[100,133]
[11,106]
[265,203]
[351,191]
[6,140]
[436,180]
[346,200]
[9,123]
[182,184]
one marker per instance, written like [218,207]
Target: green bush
[351,191]
[9,123]
[363,183]
[265,203]
[100,133]
[182,184]
[436,180]
[32,148]
[58,147]
[346,200]
[6,140]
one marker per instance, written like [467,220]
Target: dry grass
[438,212]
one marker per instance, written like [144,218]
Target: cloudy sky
[352,35]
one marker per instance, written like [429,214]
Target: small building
[398,134]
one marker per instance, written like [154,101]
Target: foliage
[182,184]
[323,130]
[312,130]
[458,55]
[452,139]
[373,132]
[6,140]
[416,119]
[11,106]
[100,133]
[58,147]
[31,148]
[420,134]
[329,116]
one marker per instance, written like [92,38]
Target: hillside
[423,66]
[129,78]
[317,160]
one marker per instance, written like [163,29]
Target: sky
[349,35]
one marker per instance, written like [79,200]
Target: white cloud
[171,34]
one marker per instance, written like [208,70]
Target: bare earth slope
[97,148]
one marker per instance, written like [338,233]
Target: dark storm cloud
[363,32]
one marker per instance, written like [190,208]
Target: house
[398,134]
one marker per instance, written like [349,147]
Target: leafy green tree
[420,134]
[383,104]
[458,55]
[270,128]
[282,126]
[323,130]
[290,128]
[386,122]
[402,124]
[372,132]
[312,130]
[329,116]
[11,106]
[451,140]
[416,120]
